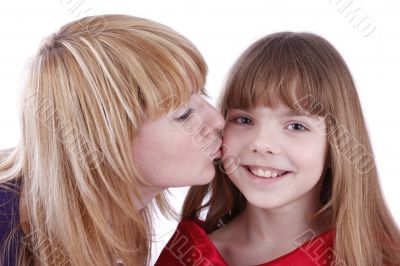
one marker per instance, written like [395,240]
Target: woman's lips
[217,154]
[214,148]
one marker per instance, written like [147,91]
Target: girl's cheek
[226,139]
[230,145]
[234,135]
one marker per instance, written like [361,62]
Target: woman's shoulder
[9,219]
[9,201]
[190,245]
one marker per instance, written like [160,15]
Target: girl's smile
[265,175]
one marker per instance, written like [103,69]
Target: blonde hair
[304,71]
[89,88]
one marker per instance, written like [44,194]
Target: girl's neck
[284,224]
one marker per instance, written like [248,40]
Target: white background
[222,30]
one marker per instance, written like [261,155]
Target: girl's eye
[297,127]
[186,115]
[242,120]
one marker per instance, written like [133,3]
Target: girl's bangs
[271,73]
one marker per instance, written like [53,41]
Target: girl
[298,184]
[111,106]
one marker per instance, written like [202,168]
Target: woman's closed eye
[188,113]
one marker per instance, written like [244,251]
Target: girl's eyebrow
[238,109]
[298,113]
[295,113]
[286,113]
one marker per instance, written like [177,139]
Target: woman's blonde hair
[305,72]
[89,88]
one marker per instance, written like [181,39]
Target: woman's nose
[213,118]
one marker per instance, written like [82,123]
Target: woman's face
[281,155]
[178,149]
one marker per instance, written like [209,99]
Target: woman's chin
[204,178]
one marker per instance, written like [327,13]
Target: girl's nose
[264,142]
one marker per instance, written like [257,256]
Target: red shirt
[190,245]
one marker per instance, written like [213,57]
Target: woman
[111,115]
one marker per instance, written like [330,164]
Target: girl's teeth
[260,172]
[267,173]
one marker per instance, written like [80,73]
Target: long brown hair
[89,88]
[351,197]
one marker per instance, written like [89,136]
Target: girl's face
[281,154]
[178,149]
